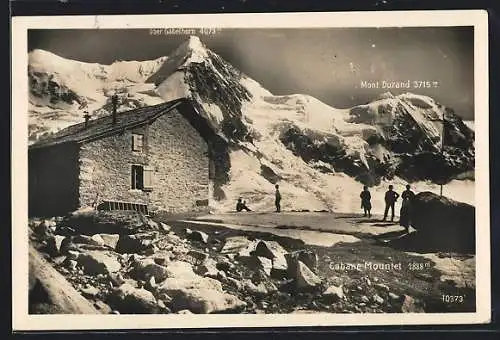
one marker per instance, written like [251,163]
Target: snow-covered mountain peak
[191,51]
[195,45]
[386,95]
[193,71]
[39,57]
[71,72]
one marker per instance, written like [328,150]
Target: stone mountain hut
[154,158]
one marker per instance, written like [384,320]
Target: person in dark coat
[408,194]
[406,213]
[390,200]
[241,205]
[277,200]
[366,204]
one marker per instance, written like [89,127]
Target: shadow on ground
[422,242]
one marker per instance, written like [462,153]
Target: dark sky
[329,64]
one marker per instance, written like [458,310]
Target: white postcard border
[20,25]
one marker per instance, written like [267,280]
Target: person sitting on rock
[366,204]
[241,205]
[390,200]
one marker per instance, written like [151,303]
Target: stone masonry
[173,148]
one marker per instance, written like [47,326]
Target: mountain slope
[319,155]
[61,89]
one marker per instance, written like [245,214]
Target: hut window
[142,177]
[137,177]
[137,142]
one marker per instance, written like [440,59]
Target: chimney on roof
[87,118]
[114,101]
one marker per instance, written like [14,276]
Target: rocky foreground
[126,263]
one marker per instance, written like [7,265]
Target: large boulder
[306,257]
[442,224]
[56,244]
[180,269]
[33,222]
[199,295]
[197,257]
[269,249]
[207,268]
[276,253]
[257,263]
[172,286]
[202,301]
[259,290]
[162,257]
[237,245]
[90,291]
[96,262]
[305,279]
[136,243]
[147,268]
[130,300]
[410,305]
[152,224]
[377,299]
[225,265]
[196,235]
[44,229]
[150,284]
[98,240]
[102,307]
[94,240]
[109,222]
[110,240]
[382,287]
[164,227]
[333,293]
[50,292]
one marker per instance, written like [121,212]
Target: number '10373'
[453,298]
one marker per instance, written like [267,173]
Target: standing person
[390,200]
[405,218]
[366,201]
[277,200]
[408,193]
